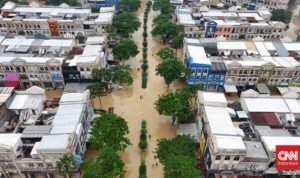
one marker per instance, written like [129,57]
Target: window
[244,79]
[88,69]
[227,157]
[198,77]
[199,71]
[251,72]
[57,68]
[40,165]
[42,68]
[274,72]
[236,158]
[18,69]
[218,157]
[81,69]
[6,68]
[46,68]
[30,165]
[49,164]
[217,77]
[52,68]
[234,71]
[240,71]
[204,77]
[211,77]
[245,72]
[278,72]
[205,71]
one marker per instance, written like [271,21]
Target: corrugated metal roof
[266,118]
[280,49]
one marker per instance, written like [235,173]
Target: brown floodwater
[127,103]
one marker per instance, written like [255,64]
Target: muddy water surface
[127,103]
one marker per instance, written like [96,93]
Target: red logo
[287,157]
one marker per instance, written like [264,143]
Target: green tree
[107,164]
[121,75]
[110,130]
[126,23]
[281,15]
[183,145]
[66,166]
[124,50]
[167,30]
[166,53]
[178,156]
[103,76]
[164,6]
[177,105]
[170,70]
[177,42]
[96,90]
[129,5]
[161,19]
[181,166]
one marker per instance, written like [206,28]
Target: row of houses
[241,141]
[250,4]
[55,21]
[34,135]
[233,25]
[49,63]
[217,63]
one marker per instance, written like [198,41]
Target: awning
[230,88]
[263,89]
[12,83]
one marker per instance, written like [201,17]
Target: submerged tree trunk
[173,119]
[100,102]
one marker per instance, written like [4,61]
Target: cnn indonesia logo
[287,157]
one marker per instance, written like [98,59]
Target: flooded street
[127,103]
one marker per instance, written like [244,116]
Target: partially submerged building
[33,148]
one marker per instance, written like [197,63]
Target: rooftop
[51,143]
[270,142]
[232,144]
[265,105]
[256,151]
[212,99]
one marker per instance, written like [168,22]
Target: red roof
[266,118]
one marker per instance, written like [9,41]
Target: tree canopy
[96,90]
[178,105]
[66,166]
[124,50]
[166,53]
[170,70]
[164,6]
[162,18]
[121,75]
[103,75]
[177,42]
[126,23]
[180,166]
[178,156]
[167,30]
[281,15]
[107,164]
[110,130]
[129,5]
